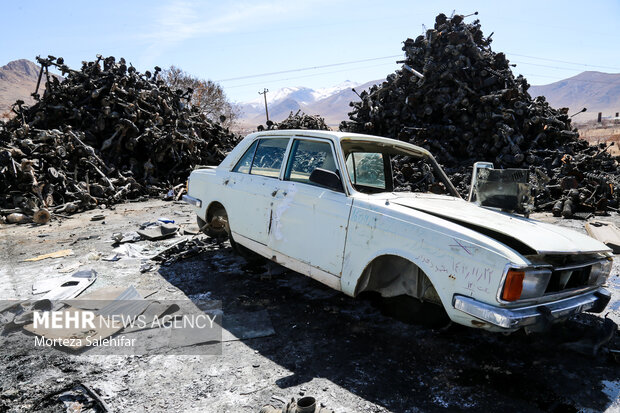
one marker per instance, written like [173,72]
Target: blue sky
[548,40]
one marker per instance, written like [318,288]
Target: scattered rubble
[158,231]
[305,404]
[55,254]
[104,134]
[606,232]
[82,398]
[71,397]
[460,100]
[299,120]
[65,288]
[186,248]
[317,332]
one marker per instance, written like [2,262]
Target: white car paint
[256,213]
[534,233]
[310,224]
[333,236]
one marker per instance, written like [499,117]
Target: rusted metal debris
[104,134]
[307,404]
[299,120]
[459,99]
[185,248]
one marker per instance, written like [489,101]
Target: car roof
[338,137]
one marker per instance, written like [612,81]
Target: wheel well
[213,209]
[391,276]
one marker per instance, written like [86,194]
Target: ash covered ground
[342,351]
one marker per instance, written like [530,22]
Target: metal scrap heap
[460,100]
[299,120]
[101,135]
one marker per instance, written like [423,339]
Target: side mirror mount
[474,178]
[326,178]
[508,189]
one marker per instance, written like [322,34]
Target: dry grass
[605,133]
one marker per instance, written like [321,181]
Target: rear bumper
[192,201]
[533,317]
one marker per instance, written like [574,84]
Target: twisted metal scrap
[460,100]
[103,134]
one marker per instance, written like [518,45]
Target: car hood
[513,230]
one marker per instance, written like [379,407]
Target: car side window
[305,157]
[245,162]
[366,169]
[268,157]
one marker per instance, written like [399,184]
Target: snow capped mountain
[283,101]
[328,91]
[301,94]
[599,92]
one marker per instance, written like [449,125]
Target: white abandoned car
[323,204]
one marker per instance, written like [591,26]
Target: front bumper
[192,201]
[536,316]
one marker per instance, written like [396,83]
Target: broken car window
[268,157]
[305,157]
[417,174]
[366,169]
[370,168]
[245,162]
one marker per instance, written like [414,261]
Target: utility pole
[264,93]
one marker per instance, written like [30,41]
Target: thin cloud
[185,20]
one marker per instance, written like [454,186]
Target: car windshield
[374,167]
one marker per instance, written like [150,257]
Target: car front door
[252,182]
[309,222]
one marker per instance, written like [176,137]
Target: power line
[304,76]
[308,68]
[573,80]
[539,65]
[386,64]
[563,61]
[395,56]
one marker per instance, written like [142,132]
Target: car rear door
[252,182]
[309,222]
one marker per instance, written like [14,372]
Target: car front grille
[569,277]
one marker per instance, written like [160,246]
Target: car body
[277,194]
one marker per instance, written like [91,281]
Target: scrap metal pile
[104,134]
[299,120]
[459,99]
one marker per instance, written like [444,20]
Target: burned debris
[460,100]
[299,120]
[103,134]
[306,404]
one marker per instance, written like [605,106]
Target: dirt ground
[342,351]
[602,134]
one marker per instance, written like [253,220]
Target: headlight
[600,271]
[525,283]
